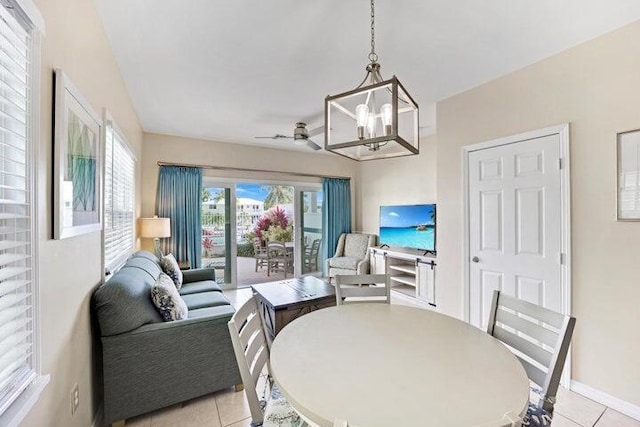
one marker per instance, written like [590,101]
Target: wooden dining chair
[259,253]
[540,339]
[345,289]
[251,347]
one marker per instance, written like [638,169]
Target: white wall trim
[32,11]
[606,399]
[19,409]
[562,131]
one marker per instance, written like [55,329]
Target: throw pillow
[170,267]
[166,298]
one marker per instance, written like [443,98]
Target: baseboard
[612,402]
[97,420]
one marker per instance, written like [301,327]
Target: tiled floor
[228,408]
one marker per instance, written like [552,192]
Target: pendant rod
[234,169]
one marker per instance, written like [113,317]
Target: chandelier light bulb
[386,112]
[362,115]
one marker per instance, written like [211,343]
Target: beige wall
[70,269]
[400,181]
[198,152]
[595,87]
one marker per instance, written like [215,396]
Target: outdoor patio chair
[311,256]
[260,253]
[279,258]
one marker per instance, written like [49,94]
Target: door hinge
[561,258]
[560,163]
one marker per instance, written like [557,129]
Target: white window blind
[17,311]
[119,200]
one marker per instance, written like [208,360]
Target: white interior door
[515,201]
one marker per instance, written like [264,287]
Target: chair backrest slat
[363,292]
[535,311]
[254,347]
[533,330]
[533,338]
[345,288]
[537,353]
[247,309]
[258,366]
[252,326]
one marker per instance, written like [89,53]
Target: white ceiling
[232,70]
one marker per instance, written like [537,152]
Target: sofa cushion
[355,245]
[344,262]
[146,265]
[220,311]
[198,275]
[172,269]
[197,287]
[166,298]
[123,302]
[205,299]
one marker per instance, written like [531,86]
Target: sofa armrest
[198,275]
[161,364]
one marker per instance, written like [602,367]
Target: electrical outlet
[75,399]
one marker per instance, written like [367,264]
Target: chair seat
[278,412]
[344,262]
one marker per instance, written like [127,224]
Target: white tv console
[410,272]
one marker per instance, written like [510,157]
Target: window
[119,199]
[19,69]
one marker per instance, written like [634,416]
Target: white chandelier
[373,121]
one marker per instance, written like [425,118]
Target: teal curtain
[179,198]
[336,213]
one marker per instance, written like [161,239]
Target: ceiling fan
[300,135]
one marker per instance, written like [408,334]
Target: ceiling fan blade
[313,145]
[316,131]
[277,136]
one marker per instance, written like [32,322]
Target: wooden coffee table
[286,300]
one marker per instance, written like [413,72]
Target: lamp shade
[155,227]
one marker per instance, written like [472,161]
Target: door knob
[475,259]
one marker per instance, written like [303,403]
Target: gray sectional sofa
[148,364]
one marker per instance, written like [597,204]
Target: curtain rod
[230,168]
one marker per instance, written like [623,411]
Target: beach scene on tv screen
[409,226]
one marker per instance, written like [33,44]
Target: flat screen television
[409,226]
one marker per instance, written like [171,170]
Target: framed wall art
[77,162]
[629,176]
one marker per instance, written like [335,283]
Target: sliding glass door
[217,241]
[309,232]
[238,215]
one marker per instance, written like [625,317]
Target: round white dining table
[392,365]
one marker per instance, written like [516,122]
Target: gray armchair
[352,254]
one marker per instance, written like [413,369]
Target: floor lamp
[155,228]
